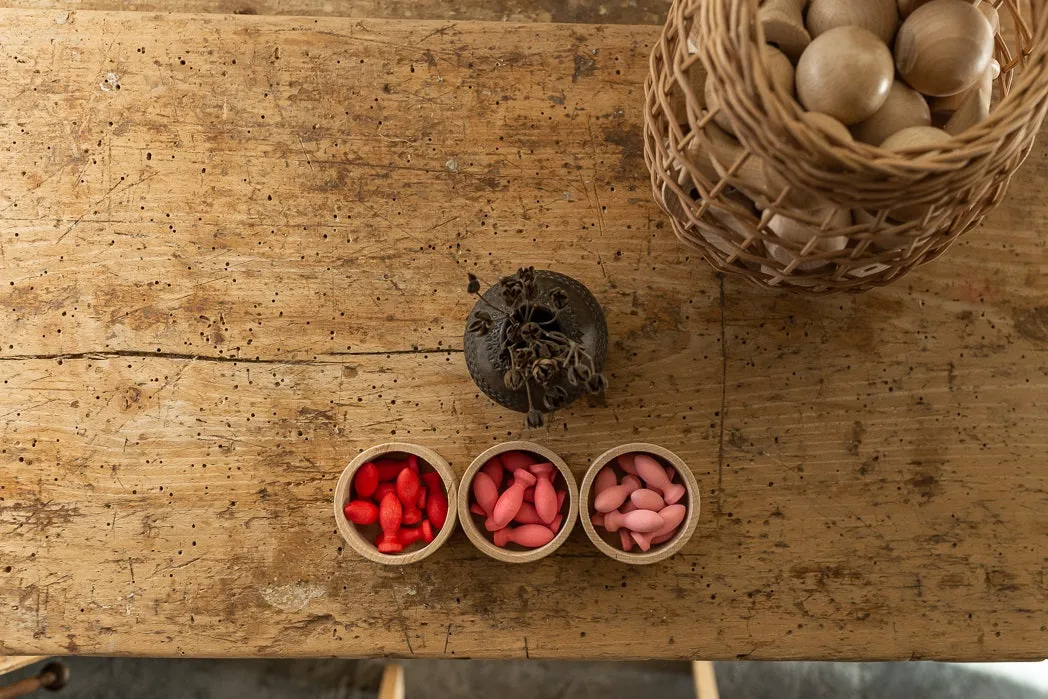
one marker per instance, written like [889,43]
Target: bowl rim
[665,550]
[478,537]
[366,548]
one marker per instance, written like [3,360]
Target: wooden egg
[906,7]
[944,47]
[914,137]
[697,81]
[724,151]
[846,73]
[696,77]
[780,69]
[715,153]
[693,39]
[699,156]
[885,235]
[727,243]
[775,185]
[862,217]
[720,116]
[829,126]
[672,203]
[972,111]
[730,242]
[783,26]
[678,103]
[943,108]
[881,17]
[801,233]
[991,15]
[904,107]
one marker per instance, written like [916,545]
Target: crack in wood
[178,356]
[724,393]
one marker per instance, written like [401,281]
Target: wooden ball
[916,136]
[720,116]
[697,82]
[783,26]
[971,112]
[780,69]
[943,108]
[829,126]
[775,185]
[904,107]
[881,17]
[944,47]
[801,233]
[906,7]
[738,231]
[846,73]
[992,16]
[713,153]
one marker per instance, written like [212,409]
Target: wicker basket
[869,214]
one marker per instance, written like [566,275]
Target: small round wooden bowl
[481,538]
[361,539]
[657,553]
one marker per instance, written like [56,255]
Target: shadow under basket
[766,192]
[362,538]
[473,524]
[608,542]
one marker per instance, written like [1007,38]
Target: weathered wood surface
[223,279]
[592,11]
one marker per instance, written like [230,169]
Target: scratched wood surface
[233,254]
[593,11]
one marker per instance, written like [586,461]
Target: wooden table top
[233,253]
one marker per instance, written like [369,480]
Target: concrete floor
[463,679]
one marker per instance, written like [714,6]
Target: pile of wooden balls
[409,506]
[645,507]
[898,73]
[890,73]
[520,498]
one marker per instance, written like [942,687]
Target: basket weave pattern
[876,214]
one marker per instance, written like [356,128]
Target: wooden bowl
[603,541]
[361,539]
[473,526]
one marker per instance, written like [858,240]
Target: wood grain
[207,313]
[592,11]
